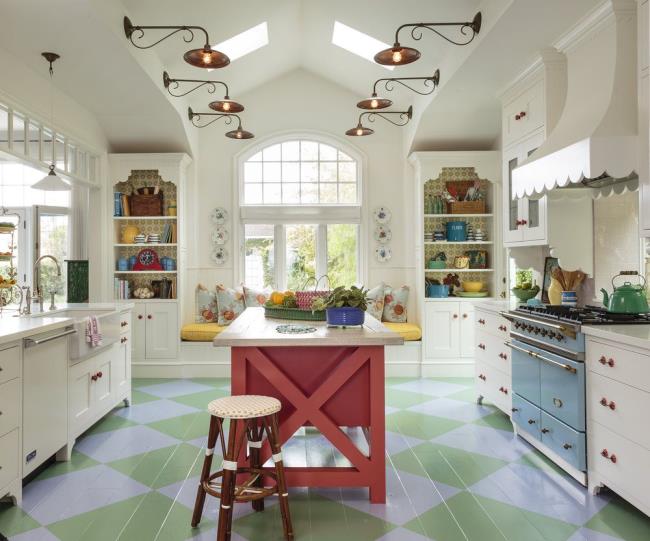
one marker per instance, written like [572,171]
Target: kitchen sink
[109,324]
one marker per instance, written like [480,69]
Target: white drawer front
[620,364]
[494,386]
[492,350]
[9,458]
[625,465]
[619,407]
[9,405]
[524,114]
[9,363]
[492,323]
[125,322]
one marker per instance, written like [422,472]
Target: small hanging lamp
[373,102]
[226,105]
[51,182]
[206,57]
[399,55]
[360,130]
[239,133]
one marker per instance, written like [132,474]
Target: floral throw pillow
[376,301]
[256,297]
[205,302]
[395,301]
[231,304]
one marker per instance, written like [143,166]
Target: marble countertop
[496,305]
[253,329]
[632,335]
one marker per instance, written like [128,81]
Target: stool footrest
[245,492]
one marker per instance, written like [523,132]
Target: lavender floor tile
[157,410]
[485,441]
[396,443]
[452,409]
[542,492]
[176,387]
[134,440]
[400,534]
[37,534]
[407,496]
[433,388]
[71,494]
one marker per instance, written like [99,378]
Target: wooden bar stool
[250,417]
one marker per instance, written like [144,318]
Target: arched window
[300,206]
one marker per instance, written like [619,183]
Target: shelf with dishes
[135,218]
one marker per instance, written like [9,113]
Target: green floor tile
[186,427]
[419,425]
[468,517]
[202,399]
[108,423]
[448,465]
[498,420]
[620,519]
[213,382]
[136,383]
[162,467]
[77,462]
[391,382]
[466,395]
[536,459]
[148,517]
[467,382]
[140,397]
[405,399]
[314,518]
[14,520]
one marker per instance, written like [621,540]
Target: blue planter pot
[437,291]
[345,316]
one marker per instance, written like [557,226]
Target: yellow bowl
[472,287]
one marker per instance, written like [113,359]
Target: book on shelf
[117,203]
[126,208]
[121,289]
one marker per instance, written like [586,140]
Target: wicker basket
[467,207]
[282,312]
[304,299]
[147,205]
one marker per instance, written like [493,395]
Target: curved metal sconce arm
[171,84]
[465,27]
[130,30]
[432,82]
[403,118]
[195,117]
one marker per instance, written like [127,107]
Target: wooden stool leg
[228,484]
[274,440]
[255,446]
[205,472]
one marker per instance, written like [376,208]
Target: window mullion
[321,250]
[279,237]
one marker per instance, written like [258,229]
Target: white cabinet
[155,331]
[10,422]
[448,338]
[524,219]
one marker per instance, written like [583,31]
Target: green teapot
[628,298]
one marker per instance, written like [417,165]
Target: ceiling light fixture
[206,57]
[360,129]
[226,105]
[52,182]
[239,133]
[376,102]
[398,55]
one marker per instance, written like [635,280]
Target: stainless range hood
[594,143]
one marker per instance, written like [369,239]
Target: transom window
[300,172]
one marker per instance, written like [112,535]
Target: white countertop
[632,335]
[496,305]
[15,328]
[253,329]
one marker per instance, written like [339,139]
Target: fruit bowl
[524,294]
[472,287]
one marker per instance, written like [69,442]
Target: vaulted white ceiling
[122,85]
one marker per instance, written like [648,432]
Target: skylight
[358,43]
[246,42]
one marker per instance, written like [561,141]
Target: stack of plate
[439,235]
[153,239]
[139,239]
[479,235]
[470,233]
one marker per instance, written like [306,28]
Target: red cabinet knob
[524,222]
[139,316]
[99,374]
[481,321]
[464,316]
[604,453]
[123,324]
[455,316]
[610,363]
[608,404]
[149,316]
[613,458]
[94,377]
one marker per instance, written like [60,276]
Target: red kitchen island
[328,379]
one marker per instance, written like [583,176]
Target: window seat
[205,332]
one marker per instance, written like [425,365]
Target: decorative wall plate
[219,256]
[220,235]
[383,253]
[382,215]
[383,234]
[219,215]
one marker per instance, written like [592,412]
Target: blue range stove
[548,378]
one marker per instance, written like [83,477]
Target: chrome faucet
[38,294]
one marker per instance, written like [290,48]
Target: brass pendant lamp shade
[399,55]
[226,105]
[206,57]
[359,131]
[239,133]
[374,102]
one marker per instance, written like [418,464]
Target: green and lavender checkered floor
[455,472]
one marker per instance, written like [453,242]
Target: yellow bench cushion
[408,331]
[201,332]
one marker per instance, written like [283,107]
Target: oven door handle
[566,367]
[566,331]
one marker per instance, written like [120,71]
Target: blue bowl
[437,291]
[345,316]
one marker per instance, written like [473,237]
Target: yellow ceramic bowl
[473,287]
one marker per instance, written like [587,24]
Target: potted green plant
[344,306]
[525,288]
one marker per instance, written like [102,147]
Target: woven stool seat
[244,406]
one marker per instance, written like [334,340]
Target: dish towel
[93,332]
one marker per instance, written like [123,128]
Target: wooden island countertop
[252,328]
